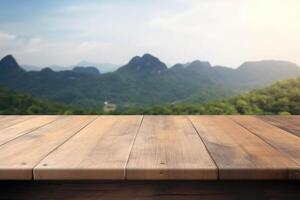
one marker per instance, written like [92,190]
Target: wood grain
[6,121]
[168,147]
[290,124]
[24,126]
[100,151]
[238,153]
[284,142]
[18,157]
[149,148]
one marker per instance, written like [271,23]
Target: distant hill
[8,65]
[146,65]
[56,68]
[248,76]
[102,67]
[265,72]
[281,98]
[145,80]
[86,70]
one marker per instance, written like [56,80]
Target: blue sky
[225,32]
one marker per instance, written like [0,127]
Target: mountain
[103,68]
[280,98]
[8,64]
[56,68]
[144,80]
[265,72]
[198,65]
[86,70]
[145,65]
[10,71]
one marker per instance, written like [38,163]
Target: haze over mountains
[102,67]
[144,80]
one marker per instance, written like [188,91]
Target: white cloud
[40,52]
[6,36]
[8,42]
[230,32]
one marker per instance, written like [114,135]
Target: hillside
[143,81]
[13,103]
[282,97]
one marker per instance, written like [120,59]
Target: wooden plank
[26,126]
[283,141]
[168,147]
[238,153]
[18,157]
[290,124]
[100,151]
[6,121]
[7,117]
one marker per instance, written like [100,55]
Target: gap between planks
[237,149]
[134,139]
[33,176]
[138,131]
[103,146]
[280,139]
[209,153]
[22,132]
[23,153]
[169,148]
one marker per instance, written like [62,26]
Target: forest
[15,103]
[281,98]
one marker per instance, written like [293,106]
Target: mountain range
[145,80]
[102,67]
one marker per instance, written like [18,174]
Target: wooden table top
[149,147]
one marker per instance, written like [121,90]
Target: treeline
[281,98]
[14,103]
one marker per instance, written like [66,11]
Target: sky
[224,32]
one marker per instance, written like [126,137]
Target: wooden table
[150,150]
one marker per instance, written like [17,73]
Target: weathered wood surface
[289,123]
[279,139]
[168,147]
[23,127]
[18,157]
[100,151]
[238,153]
[149,147]
[6,121]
